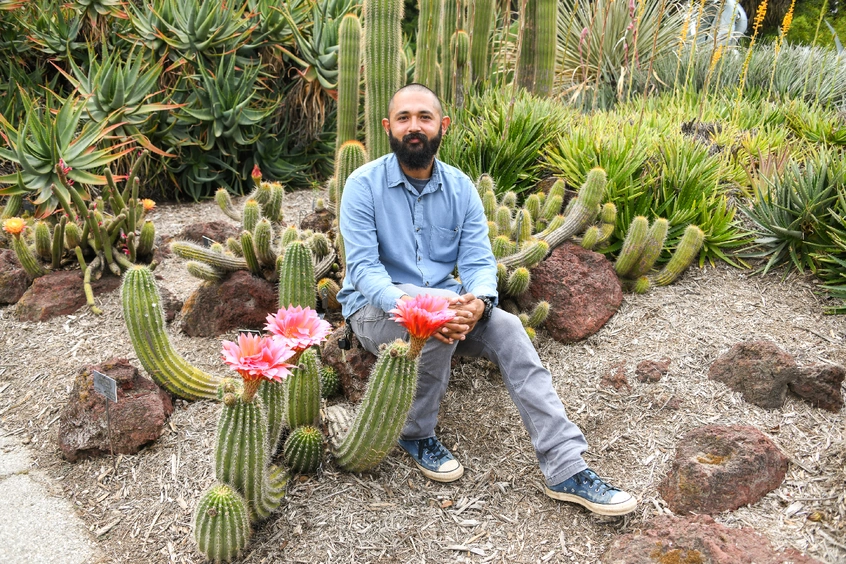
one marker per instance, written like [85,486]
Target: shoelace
[433,447]
[594,482]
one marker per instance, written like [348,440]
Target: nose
[414,125]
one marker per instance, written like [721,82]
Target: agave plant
[55,30]
[118,91]
[318,50]
[43,140]
[793,212]
[96,10]
[147,19]
[272,24]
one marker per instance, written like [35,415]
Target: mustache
[418,136]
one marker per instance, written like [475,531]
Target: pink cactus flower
[257,358]
[422,316]
[300,328]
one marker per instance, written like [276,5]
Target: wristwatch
[489,307]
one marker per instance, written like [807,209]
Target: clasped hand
[468,311]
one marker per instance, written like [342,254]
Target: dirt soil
[142,511]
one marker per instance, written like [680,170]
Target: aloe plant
[42,141]
[55,30]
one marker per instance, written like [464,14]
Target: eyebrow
[422,112]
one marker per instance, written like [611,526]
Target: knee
[501,319]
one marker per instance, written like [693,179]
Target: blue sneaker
[591,491]
[433,459]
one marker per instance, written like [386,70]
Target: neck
[419,173]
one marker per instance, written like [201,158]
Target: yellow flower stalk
[785,27]
[756,26]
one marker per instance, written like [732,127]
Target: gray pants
[558,443]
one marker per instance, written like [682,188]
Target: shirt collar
[396,177]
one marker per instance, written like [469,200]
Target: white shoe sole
[602,509]
[445,477]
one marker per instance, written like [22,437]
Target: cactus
[241,455]
[28,260]
[538,315]
[224,202]
[546,12]
[221,523]
[533,252]
[73,236]
[319,245]
[641,285]
[13,206]
[428,21]
[349,77]
[351,156]
[192,251]
[249,250]
[273,209]
[553,224]
[383,411]
[251,215]
[527,55]
[460,45]
[203,271]
[330,384]
[633,246]
[502,246]
[327,291]
[531,333]
[303,396]
[503,219]
[234,247]
[493,231]
[449,20]
[142,312]
[382,47]
[484,184]
[43,241]
[58,247]
[489,204]
[558,188]
[290,235]
[551,207]
[518,281]
[262,240]
[683,257]
[263,191]
[652,250]
[501,276]
[296,277]
[523,226]
[591,237]
[483,19]
[509,199]
[533,204]
[273,401]
[304,449]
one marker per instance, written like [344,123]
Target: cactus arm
[545,46]
[192,251]
[28,260]
[43,241]
[633,246]
[142,312]
[263,237]
[250,252]
[483,17]
[426,65]
[15,203]
[224,202]
[652,250]
[86,283]
[687,250]
[303,449]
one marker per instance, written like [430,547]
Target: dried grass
[139,507]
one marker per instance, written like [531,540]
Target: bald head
[418,88]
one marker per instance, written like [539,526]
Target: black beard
[415,157]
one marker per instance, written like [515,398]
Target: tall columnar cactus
[221,523]
[483,19]
[390,391]
[428,22]
[144,317]
[296,277]
[13,207]
[546,12]
[349,77]
[527,57]
[43,241]
[241,454]
[460,46]
[683,256]
[304,449]
[382,47]
[303,395]
[351,155]
[449,12]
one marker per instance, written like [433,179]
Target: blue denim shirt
[393,235]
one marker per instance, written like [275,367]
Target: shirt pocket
[443,244]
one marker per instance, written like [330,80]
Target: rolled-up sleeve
[365,271]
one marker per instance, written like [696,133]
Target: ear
[445,124]
[386,125]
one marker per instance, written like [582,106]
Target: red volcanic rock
[719,468]
[652,370]
[13,278]
[819,385]
[59,293]
[582,289]
[759,370]
[136,419]
[242,301]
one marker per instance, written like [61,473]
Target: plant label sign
[106,386]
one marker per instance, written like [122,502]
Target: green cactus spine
[545,46]
[13,207]
[533,204]
[296,277]
[193,251]
[682,258]
[27,259]
[249,250]
[539,314]
[449,20]
[221,523]
[523,226]
[303,396]
[426,65]
[490,205]
[224,201]
[330,383]
[382,47]
[304,449]
[519,281]
[349,77]
[383,411]
[633,246]
[262,239]
[483,18]
[43,241]
[652,250]
[252,214]
[142,312]
[241,455]
[203,271]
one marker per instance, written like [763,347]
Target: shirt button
[419,259]
[427,283]
[418,229]
[418,199]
